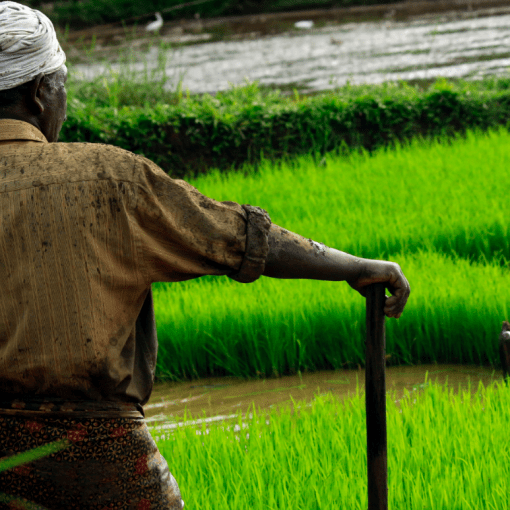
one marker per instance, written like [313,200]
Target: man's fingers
[395,304]
[390,307]
[392,276]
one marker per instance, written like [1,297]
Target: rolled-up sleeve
[183,234]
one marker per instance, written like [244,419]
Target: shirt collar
[11,129]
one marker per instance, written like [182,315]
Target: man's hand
[389,273]
[293,256]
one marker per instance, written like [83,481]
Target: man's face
[54,98]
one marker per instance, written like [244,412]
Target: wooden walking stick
[375,391]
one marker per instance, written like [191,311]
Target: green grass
[123,83]
[446,451]
[274,327]
[438,209]
[444,195]
[25,458]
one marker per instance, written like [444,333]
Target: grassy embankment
[439,209]
[446,451]
[146,113]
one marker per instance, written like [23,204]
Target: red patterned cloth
[109,463]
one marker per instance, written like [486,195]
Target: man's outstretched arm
[293,256]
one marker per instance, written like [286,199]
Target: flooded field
[466,45]
[220,399]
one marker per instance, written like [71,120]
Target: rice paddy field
[438,208]
[447,450]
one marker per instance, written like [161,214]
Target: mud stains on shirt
[85,229]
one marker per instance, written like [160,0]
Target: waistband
[59,407]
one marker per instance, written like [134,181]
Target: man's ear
[36,105]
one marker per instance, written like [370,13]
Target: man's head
[32,70]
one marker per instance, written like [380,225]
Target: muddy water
[468,45]
[222,399]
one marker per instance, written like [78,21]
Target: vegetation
[25,458]
[445,451]
[313,455]
[187,135]
[439,209]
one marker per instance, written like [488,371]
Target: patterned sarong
[108,459]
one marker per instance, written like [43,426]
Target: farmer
[85,229]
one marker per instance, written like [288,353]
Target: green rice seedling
[438,209]
[447,450]
[25,458]
[273,327]
[439,195]
[31,455]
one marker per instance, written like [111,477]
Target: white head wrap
[28,45]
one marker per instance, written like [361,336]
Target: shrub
[188,135]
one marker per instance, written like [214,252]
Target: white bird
[154,26]
[303,24]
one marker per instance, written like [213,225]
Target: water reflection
[219,399]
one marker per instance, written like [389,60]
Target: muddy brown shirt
[84,231]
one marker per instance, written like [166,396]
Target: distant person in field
[85,230]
